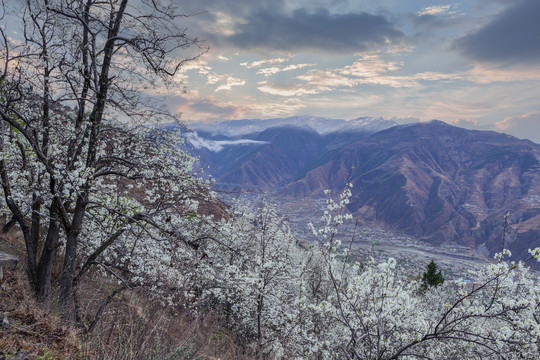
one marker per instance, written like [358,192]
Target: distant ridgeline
[430,180]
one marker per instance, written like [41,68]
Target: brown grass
[134,326]
[35,329]
[135,329]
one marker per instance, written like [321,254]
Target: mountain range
[431,180]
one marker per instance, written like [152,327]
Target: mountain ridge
[321,125]
[431,180]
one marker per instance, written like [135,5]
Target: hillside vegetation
[249,288]
[127,253]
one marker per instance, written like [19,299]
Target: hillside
[430,180]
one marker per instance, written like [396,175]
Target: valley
[446,186]
[412,254]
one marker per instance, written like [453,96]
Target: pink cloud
[526,126]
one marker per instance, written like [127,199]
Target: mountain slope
[267,154]
[440,182]
[430,180]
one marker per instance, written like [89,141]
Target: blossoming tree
[77,170]
[84,181]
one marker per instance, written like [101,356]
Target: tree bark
[43,286]
[18,215]
[70,257]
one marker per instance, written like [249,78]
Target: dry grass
[133,326]
[35,329]
[135,329]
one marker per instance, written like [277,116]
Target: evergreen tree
[432,276]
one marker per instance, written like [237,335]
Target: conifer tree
[432,276]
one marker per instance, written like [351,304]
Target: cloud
[276,69]
[434,10]
[269,71]
[231,81]
[227,80]
[374,70]
[197,108]
[405,120]
[217,145]
[367,70]
[464,123]
[209,107]
[348,105]
[526,126]
[193,107]
[483,74]
[319,30]
[513,36]
[200,64]
[432,22]
[324,80]
[370,65]
[262,62]
[280,108]
[292,90]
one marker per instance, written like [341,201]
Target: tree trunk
[260,300]
[70,257]
[43,286]
[67,272]
[19,217]
[34,233]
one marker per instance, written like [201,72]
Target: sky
[474,63]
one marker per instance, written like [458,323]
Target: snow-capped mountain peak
[322,125]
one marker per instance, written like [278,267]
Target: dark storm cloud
[319,30]
[512,37]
